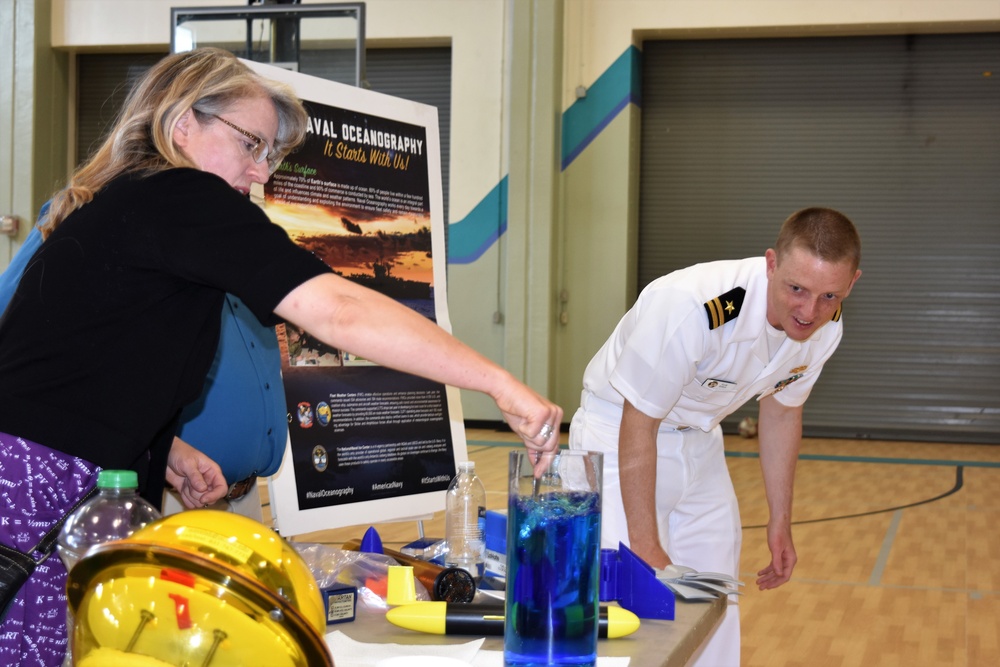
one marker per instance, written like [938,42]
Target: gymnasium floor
[898,545]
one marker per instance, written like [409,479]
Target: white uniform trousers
[697,512]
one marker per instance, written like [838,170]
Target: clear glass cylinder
[553,560]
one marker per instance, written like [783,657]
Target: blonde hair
[824,232]
[207,80]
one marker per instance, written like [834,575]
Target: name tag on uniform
[719,385]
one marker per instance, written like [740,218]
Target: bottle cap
[401,589]
[117,479]
[466,465]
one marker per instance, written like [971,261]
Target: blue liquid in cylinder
[553,545]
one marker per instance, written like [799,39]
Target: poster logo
[305,414]
[323,413]
[320,458]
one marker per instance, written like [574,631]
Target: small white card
[719,385]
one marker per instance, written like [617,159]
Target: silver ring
[546,431]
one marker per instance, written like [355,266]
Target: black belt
[239,489]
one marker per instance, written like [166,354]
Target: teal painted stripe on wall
[474,234]
[619,86]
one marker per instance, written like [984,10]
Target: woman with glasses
[114,323]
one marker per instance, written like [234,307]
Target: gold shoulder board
[724,307]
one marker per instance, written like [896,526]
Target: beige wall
[33,119]
[589,243]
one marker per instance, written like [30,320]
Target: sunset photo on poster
[356,196]
[351,242]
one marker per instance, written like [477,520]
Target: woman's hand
[534,418]
[197,478]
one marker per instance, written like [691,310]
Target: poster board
[366,443]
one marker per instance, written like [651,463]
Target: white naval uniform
[668,361]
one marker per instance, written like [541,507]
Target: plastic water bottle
[114,513]
[465,521]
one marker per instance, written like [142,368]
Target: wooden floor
[898,544]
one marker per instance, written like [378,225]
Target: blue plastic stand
[631,582]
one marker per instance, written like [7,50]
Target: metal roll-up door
[901,133]
[104,81]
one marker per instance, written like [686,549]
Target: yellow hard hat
[202,587]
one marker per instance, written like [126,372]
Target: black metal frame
[285,15]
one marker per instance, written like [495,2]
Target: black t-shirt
[116,320]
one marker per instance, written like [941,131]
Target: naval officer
[698,344]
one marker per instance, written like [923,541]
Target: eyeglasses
[259,150]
